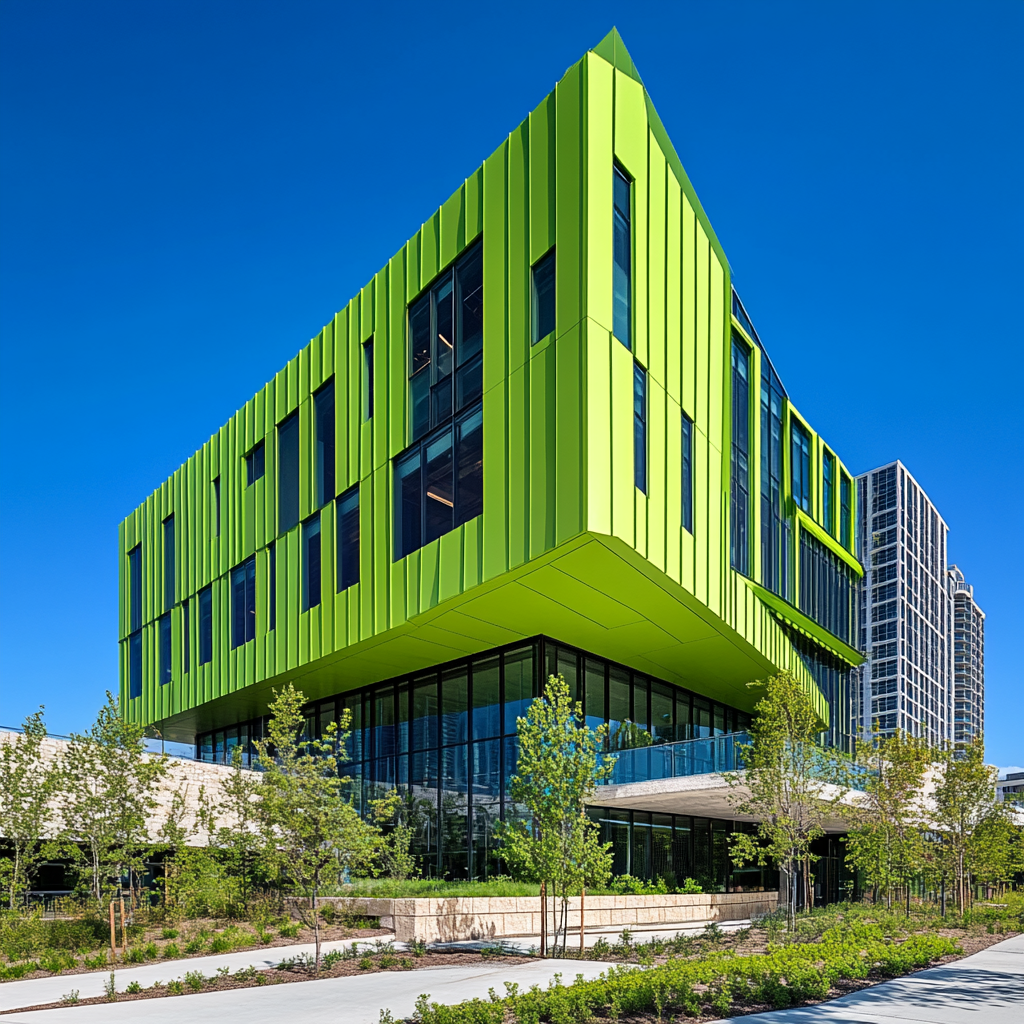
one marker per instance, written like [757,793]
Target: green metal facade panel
[567,545]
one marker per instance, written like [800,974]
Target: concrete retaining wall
[496,917]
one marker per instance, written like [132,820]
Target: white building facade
[906,609]
[968,661]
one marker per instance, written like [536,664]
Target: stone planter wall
[496,917]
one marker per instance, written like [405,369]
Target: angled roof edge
[613,50]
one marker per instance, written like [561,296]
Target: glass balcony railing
[675,760]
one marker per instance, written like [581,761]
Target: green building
[544,437]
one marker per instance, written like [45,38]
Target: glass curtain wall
[446,739]
[775,542]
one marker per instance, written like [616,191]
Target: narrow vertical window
[438,483]
[640,427]
[469,333]
[135,665]
[311,563]
[367,379]
[243,602]
[135,621]
[347,519]
[687,473]
[205,626]
[135,588]
[165,648]
[216,506]
[469,466]
[169,581]
[272,596]
[186,639]
[288,473]
[739,541]
[622,251]
[801,466]
[828,492]
[323,404]
[255,464]
[408,504]
[844,510]
[543,299]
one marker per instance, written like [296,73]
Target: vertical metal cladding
[558,443]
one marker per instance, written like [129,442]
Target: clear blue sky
[188,191]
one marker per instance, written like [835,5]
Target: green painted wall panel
[558,446]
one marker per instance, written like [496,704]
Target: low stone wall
[496,917]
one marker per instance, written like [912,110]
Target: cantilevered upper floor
[549,413]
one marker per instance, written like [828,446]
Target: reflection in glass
[440,503]
[486,698]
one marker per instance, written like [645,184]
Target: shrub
[97,961]
[175,988]
[70,998]
[195,980]
[169,933]
[171,951]
[365,963]
[196,945]
[57,961]
[289,930]
[133,988]
[135,955]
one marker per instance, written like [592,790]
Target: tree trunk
[543,919]
[316,933]
[583,899]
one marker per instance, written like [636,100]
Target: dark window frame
[272,588]
[829,467]
[255,463]
[324,448]
[413,522]
[170,566]
[687,473]
[346,516]
[206,625]
[739,534]
[800,468]
[166,652]
[216,505]
[446,377]
[243,602]
[640,403]
[312,562]
[543,289]
[622,256]
[367,389]
[289,444]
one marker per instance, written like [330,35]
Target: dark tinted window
[543,305]
[739,540]
[216,506]
[165,648]
[169,563]
[135,588]
[311,562]
[445,345]
[801,462]
[622,251]
[186,638]
[288,474]
[828,493]
[640,427]
[687,473]
[844,510]
[347,516]
[205,626]
[135,665]
[439,483]
[272,598]
[243,603]
[255,464]
[367,379]
[323,402]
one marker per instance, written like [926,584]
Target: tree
[888,821]
[559,767]
[311,831]
[970,822]
[107,789]
[781,785]
[239,834]
[26,788]
[194,877]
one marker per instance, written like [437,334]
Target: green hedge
[780,978]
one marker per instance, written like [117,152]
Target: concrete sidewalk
[356,999]
[35,991]
[986,987]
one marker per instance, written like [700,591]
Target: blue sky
[188,191]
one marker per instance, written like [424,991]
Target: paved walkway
[357,999]
[987,987]
[35,991]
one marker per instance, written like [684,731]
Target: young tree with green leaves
[195,880]
[107,784]
[311,830]
[235,824]
[782,784]
[559,768]
[888,820]
[970,822]
[27,779]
